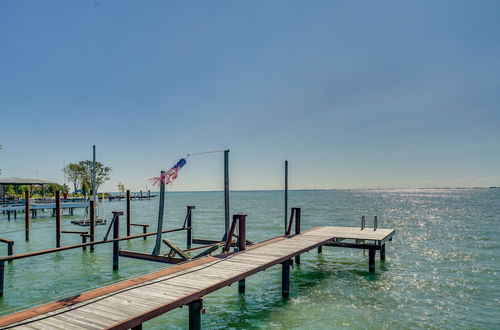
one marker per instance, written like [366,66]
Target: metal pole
[58,219]
[92,224]
[286,192]
[371,260]
[285,279]
[189,223]
[2,270]
[195,310]
[94,192]
[226,192]
[382,252]
[128,212]
[242,239]
[156,249]
[27,216]
[116,234]
[297,230]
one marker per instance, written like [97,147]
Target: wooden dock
[129,303]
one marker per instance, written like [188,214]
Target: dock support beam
[27,216]
[382,252]
[242,239]
[58,219]
[320,249]
[371,260]
[189,223]
[128,212]
[116,234]
[137,327]
[285,279]
[195,309]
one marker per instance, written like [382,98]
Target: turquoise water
[442,268]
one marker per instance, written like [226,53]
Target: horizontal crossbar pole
[69,247]
[149,257]
[355,246]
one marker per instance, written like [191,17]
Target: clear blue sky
[354,94]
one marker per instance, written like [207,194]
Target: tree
[102,174]
[121,187]
[74,173]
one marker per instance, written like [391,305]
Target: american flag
[169,175]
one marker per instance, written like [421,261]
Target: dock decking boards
[130,303]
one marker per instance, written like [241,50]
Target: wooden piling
[226,192]
[2,275]
[27,216]
[297,230]
[286,193]
[161,210]
[371,260]
[116,234]
[285,279]
[242,239]
[320,249]
[189,222]
[195,308]
[58,219]
[382,252]
[137,327]
[128,212]
[92,224]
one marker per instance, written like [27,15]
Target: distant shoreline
[333,189]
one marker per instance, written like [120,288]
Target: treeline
[35,191]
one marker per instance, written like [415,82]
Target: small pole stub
[375,223]
[362,222]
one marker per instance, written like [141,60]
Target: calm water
[442,268]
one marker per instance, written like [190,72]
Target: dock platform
[129,303]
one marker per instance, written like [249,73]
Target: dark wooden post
[27,216]
[116,234]
[10,249]
[84,240]
[242,240]
[382,252]
[320,249]
[128,212]
[371,260]
[195,309]
[137,327]
[226,192]
[285,279]
[58,219]
[92,224]
[189,224]
[297,229]
[286,193]
[2,271]
[161,210]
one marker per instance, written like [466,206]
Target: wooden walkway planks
[129,303]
